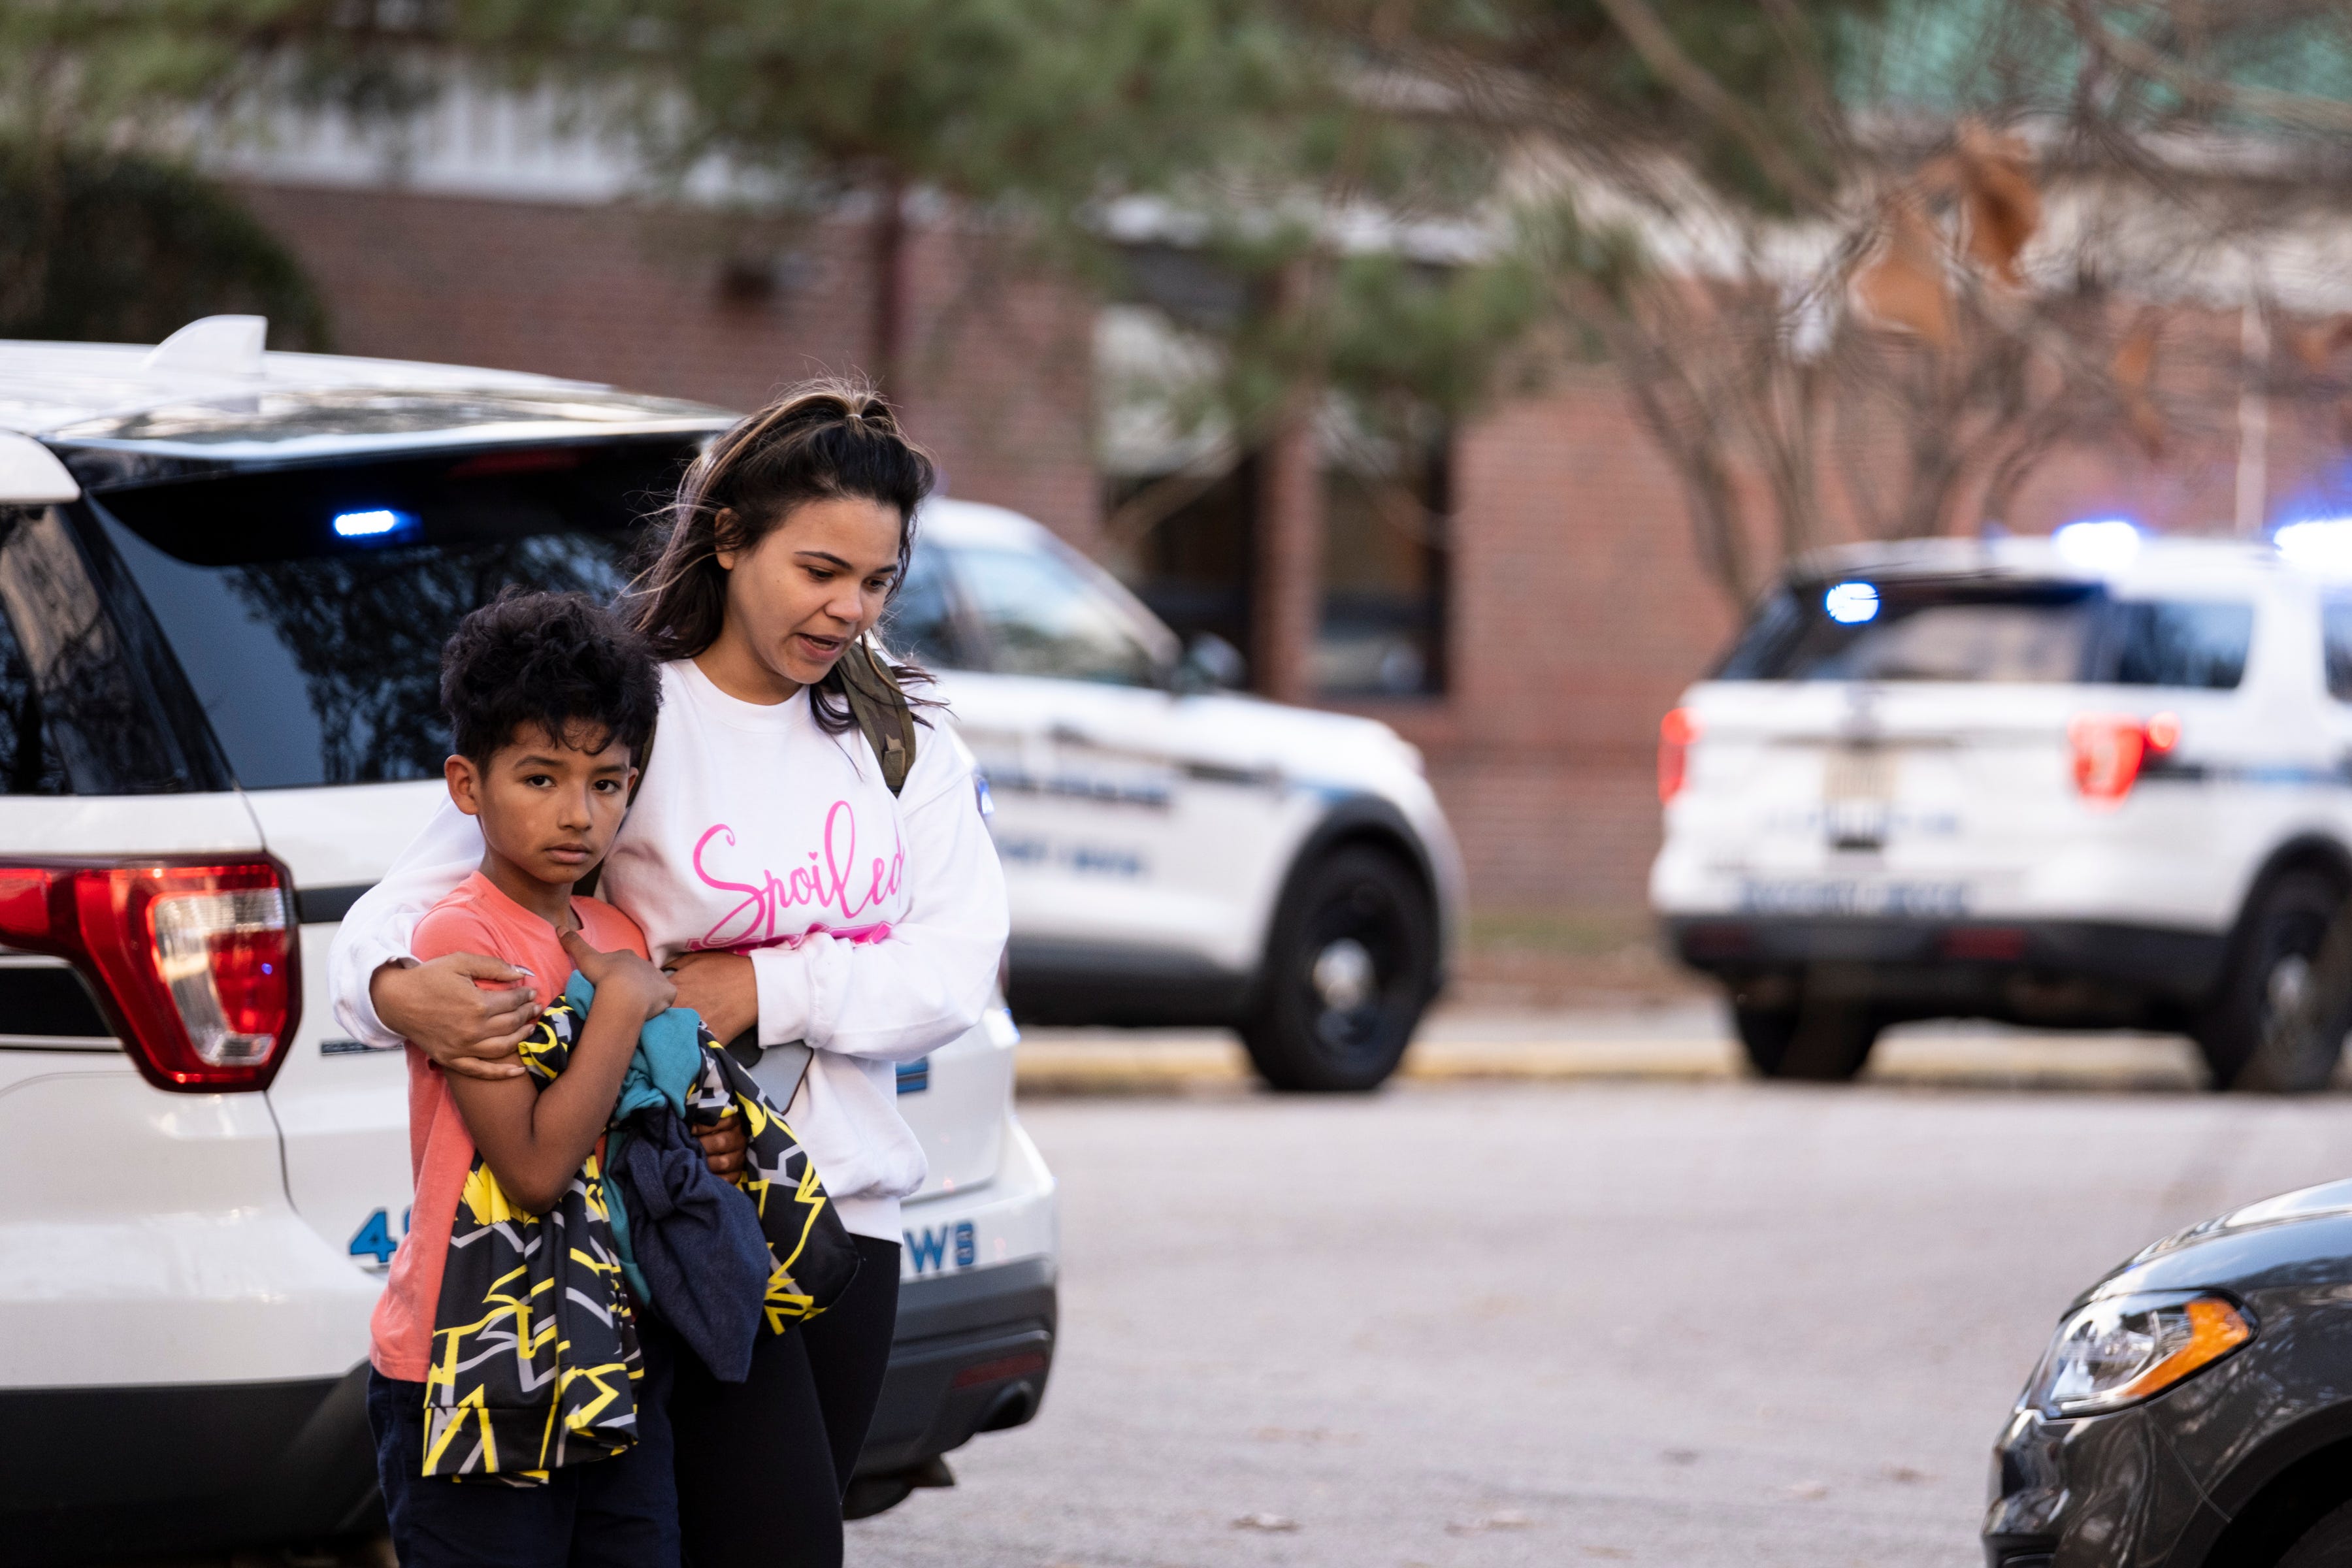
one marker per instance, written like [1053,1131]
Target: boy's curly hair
[561,661]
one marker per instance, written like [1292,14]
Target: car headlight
[2120,1349]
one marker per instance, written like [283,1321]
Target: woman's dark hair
[822,440]
[561,661]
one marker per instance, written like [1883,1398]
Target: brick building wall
[1576,605]
[998,368]
[1578,610]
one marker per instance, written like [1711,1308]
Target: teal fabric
[667,1057]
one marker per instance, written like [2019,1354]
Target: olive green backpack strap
[880,709]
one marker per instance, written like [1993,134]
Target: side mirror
[1210,663]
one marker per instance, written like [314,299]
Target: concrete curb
[1055,1063]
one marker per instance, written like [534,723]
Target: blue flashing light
[2321,545]
[2098,545]
[372,524]
[1851,603]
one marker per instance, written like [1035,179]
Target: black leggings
[762,1463]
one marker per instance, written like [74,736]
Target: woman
[790,891]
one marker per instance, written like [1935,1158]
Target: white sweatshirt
[874,923]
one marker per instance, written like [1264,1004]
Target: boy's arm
[535,1141]
[388,987]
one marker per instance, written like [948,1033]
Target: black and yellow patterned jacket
[535,1359]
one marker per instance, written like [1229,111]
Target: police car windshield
[1971,631]
[307,608]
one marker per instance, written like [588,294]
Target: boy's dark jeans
[620,1512]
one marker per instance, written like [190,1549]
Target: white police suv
[1177,853]
[217,693]
[2097,781]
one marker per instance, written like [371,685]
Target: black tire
[1351,963]
[2327,1544]
[2278,1025]
[870,1495]
[1807,1041]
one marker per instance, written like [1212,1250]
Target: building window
[1188,548]
[1181,515]
[1383,631]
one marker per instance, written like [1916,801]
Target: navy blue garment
[762,1463]
[697,1240]
[619,1512]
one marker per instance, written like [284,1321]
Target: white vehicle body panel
[148,1237]
[1161,821]
[1151,819]
[1982,818]
[1012,1218]
[72,826]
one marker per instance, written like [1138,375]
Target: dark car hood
[2296,1240]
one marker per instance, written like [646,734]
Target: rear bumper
[2029,971]
[977,1313]
[972,1355]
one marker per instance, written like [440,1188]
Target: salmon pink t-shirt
[475,918]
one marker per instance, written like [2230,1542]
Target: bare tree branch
[1656,45]
[2291,109]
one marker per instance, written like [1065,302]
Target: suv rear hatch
[1919,746]
[297,612]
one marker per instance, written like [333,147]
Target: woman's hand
[623,975]
[465,1028]
[721,987]
[723,1148]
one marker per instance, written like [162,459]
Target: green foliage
[1417,333]
[125,248]
[1056,102]
[1258,120]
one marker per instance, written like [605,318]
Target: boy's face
[547,808]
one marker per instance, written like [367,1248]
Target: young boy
[517,1422]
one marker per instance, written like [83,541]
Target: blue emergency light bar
[378,522]
[1851,603]
[2099,544]
[2322,544]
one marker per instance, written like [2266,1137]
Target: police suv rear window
[2336,627]
[1971,630]
[306,606]
[80,712]
[31,759]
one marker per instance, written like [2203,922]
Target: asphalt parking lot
[1573,1290]
[1594,1316]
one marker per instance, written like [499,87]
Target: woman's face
[798,598]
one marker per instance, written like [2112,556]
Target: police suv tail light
[196,962]
[2109,750]
[1677,730]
